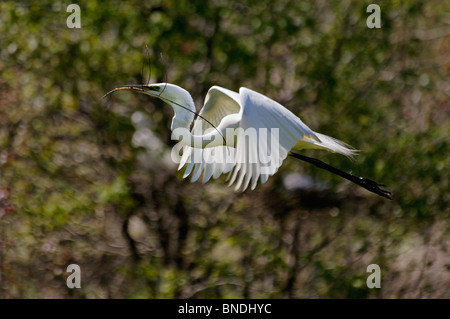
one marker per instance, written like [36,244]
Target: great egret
[262,131]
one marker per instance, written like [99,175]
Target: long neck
[185,110]
[216,136]
[183,116]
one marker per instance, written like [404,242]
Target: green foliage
[78,185]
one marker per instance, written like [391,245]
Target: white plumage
[263,133]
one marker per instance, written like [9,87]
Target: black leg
[368,184]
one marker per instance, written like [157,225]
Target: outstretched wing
[268,131]
[219,103]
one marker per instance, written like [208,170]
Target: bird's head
[177,97]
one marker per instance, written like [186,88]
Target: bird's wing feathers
[219,102]
[268,131]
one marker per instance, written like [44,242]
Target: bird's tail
[328,143]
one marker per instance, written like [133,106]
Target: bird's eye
[154,88]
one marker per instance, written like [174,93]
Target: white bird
[245,134]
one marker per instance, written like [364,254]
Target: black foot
[368,184]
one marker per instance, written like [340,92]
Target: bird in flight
[246,135]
